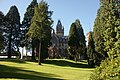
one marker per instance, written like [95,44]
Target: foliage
[108,70]
[27,17]
[1,30]
[40,28]
[81,37]
[12,30]
[98,32]
[91,50]
[76,40]
[111,33]
[25,27]
[1,41]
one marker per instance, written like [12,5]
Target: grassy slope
[50,70]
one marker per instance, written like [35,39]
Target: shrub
[108,70]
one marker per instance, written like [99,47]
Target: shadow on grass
[17,73]
[66,63]
[13,60]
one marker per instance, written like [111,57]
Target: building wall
[59,43]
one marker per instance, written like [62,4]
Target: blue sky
[65,10]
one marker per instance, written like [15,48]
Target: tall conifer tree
[40,28]
[26,24]
[91,50]
[98,32]
[76,40]
[81,38]
[110,68]
[12,30]
[1,30]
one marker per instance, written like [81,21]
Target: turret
[59,29]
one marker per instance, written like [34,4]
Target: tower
[59,29]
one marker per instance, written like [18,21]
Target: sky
[65,10]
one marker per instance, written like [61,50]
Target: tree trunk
[26,52]
[9,44]
[39,60]
[33,50]
[75,59]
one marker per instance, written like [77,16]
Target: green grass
[57,69]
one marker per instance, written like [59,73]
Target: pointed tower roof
[59,25]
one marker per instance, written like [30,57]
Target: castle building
[59,43]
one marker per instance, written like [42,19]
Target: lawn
[57,69]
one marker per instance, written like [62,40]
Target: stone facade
[59,43]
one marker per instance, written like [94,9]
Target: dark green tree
[12,30]
[1,30]
[91,50]
[26,24]
[76,40]
[1,41]
[28,16]
[81,38]
[40,28]
[1,18]
[73,41]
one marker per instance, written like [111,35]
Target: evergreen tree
[81,38]
[28,16]
[40,28]
[1,30]
[76,40]
[73,41]
[12,30]
[1,41]
[26,24]
[111,33]
[98,32]
[91,50]
[1,18]
[110,67]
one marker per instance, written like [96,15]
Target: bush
[108,70]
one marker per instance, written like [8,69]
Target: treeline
[34,31]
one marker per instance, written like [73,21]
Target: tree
[1,18]
[112,27]
[1,41]
[81,38]
[110,67]
[1,30]
[76,40]
[108,70]
[73,41]
[98,32]
[12,29]
[28,16]
[91,50]
[40,28]
[26,24]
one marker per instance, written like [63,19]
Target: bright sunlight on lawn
[57,69]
